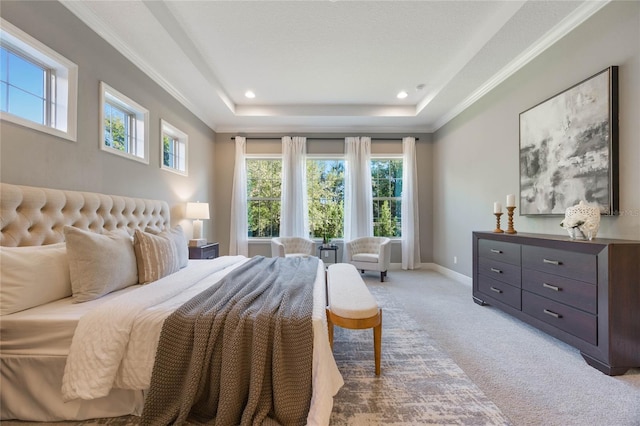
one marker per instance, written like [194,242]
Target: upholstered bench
[351,305]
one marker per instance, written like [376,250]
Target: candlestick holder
[498,230]
[510,229]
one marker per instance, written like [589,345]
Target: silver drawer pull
[551,287]
[497,290]
[496,251]
[497,271]
[552,262]
[553,314]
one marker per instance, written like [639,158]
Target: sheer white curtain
[294,211]
[410,228]
[358,200]
[239,236]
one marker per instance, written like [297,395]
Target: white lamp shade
[197,211]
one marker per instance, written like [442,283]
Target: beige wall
[476,160]
[30,157]
[334,144]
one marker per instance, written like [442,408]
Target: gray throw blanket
[241,352]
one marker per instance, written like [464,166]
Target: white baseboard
[449,273]
[440,269]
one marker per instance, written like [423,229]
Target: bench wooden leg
[374,322]
[377,344]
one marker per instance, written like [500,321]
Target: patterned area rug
[419,384]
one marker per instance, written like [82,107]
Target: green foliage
[325,189]
[115,134]
[385,226]
[264,187]
[386,181]
[166,151]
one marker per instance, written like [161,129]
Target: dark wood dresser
[585,293]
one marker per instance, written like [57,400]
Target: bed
[79,338]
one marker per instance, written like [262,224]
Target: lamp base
[198,242]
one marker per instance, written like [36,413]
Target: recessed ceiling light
[249,94]
[402,95]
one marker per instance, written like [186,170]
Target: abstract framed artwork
[569,148]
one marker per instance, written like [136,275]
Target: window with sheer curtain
[325,189]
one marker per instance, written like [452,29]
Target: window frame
[141,122]
[61,109]
[247,157]
[181,137]
[400,157]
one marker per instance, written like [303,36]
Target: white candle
[511,200]
[497,207]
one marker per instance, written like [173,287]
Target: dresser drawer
[500,291]
[500,271]
[578,294]
[566,318]
[500,251]
[578,266]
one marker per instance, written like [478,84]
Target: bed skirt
[31,391]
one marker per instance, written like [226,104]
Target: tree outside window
[264,186]
[325,189]
[174,146]
[386,181]
[116,128]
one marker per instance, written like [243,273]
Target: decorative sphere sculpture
[582,220]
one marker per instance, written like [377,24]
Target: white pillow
[177,235]
[32,276]
[99,263]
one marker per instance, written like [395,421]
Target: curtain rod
[324,139]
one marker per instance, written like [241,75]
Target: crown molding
[571,22]
[86,15]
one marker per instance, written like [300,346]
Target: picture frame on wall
[569,148]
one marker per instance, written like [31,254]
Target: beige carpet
[419,384]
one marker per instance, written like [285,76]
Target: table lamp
[197,212]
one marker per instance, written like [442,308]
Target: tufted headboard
[31,216]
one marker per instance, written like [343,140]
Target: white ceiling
[330,66]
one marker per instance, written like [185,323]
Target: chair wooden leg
[377,344]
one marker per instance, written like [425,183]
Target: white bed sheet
[46,331]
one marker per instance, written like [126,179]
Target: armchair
[292,246]
[369,254]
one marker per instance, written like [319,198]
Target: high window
[264,187]
[386,182]
[325,189]
[124,125]
[38,86]
[173,145]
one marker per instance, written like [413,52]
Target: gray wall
[30,157]
[476,158]
[225,152]
[465,166]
